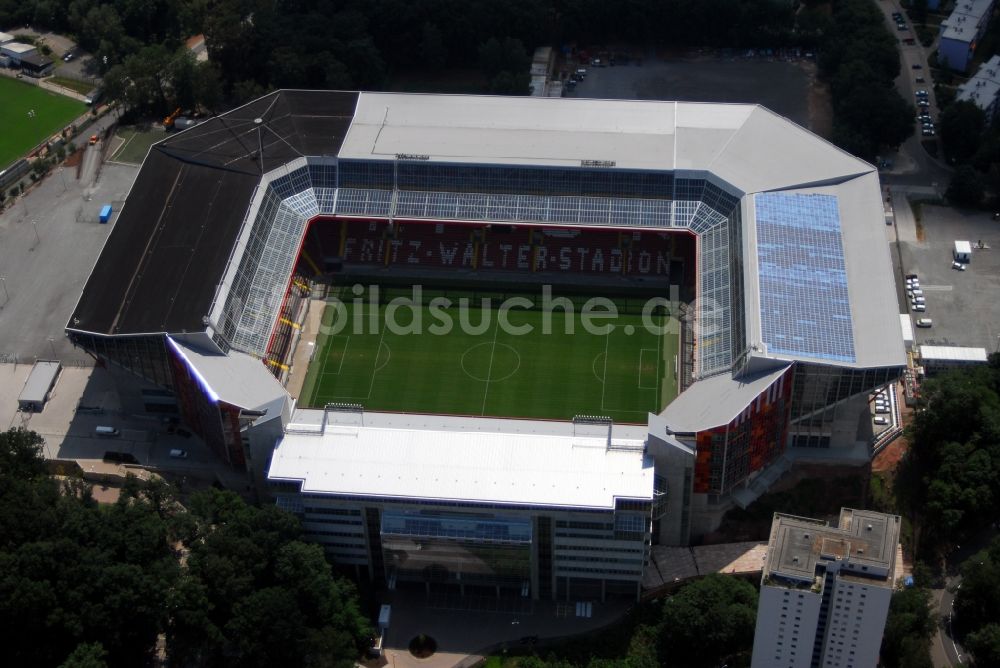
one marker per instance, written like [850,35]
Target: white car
[881,420]
[924,322]
[915,292]
[919,300]
[958,265]
[919,307]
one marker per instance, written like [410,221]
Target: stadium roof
[474,460]
[182,256]
[716,401]
[236,378]
[173,239]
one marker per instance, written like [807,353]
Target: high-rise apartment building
[825,591]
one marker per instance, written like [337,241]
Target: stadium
[522,451]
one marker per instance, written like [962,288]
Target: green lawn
[81,87]
[137,143]
[19,133]
[623,374]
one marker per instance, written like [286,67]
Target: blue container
[105,214]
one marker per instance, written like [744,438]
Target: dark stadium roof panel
[160,268]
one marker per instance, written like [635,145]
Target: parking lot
[49,242]
[786,88]
[961,304]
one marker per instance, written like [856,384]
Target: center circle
[490,362]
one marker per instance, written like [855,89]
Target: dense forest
[256,46]
[221,582]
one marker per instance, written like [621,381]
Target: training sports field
[622,374]
[19,132]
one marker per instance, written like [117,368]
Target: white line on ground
[489,372]
[378,351]
[657,354]
[604,385]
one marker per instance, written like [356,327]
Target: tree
[21,455]
[977,603]
[432,49]
[961,129]
[507,55]
[908,630]
[967,187]
[86,655]
[708,620]
[82,585]
[257,596]
[985,645]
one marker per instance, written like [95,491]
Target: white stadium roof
[475,460]
[745,145]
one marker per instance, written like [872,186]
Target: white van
[924,322]
[106,432]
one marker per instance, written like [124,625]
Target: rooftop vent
[869,527]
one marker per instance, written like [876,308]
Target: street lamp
[34,226]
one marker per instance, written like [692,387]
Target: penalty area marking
[593,367]
[343,356]
[655,352]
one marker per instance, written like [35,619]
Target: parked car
[924,322]
[917,66]
[918,80]
[958,265]
[178,454]
[881,420]
[927,132]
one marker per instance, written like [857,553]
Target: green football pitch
[495,370]
[21,132]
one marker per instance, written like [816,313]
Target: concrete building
[983,88]
[5,38]
[520,508]
[961,32]
[39,385]
[14,52]
[825,591]
[935,359]
[36,65]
